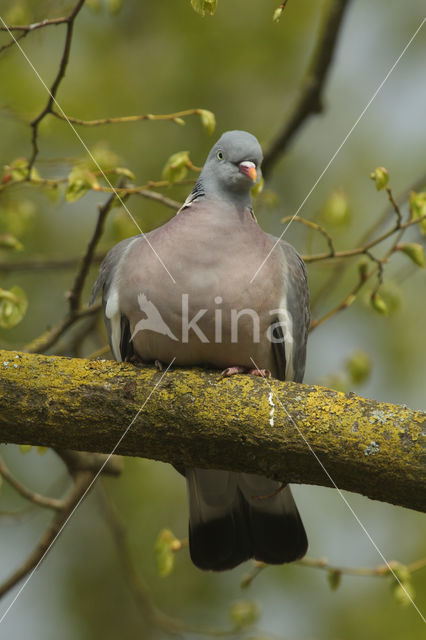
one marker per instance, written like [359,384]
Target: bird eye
[219,155]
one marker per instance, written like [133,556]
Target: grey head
[232,168]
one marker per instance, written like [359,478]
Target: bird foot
[232,371]
[158,365]
[261,373]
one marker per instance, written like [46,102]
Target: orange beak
[249,169]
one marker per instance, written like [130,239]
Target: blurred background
[162,57]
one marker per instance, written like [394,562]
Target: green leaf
[380,177]
[277,14]
[359,366]
[379,304]
[102,156]
[208,120]
[123,171]
[165,546]
[16,216]
[334,579]
[417,203]
[42,450]
[13,305]
[336,211]
[403,591]
[244,614]
[18,13]
[204,6]
[25,448]
[114,6]
[176,167]
[415,251]
[80,181]
[18,170]
[94,5]
[7,241]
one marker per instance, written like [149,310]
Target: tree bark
[287,431]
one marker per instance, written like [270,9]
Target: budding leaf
[94,5]
[208,120]
[80,181]
[123,171]
[13,305]
[176,167]
[415,251]
[102,156]
[165,557]
[114,6]
[334,579]
[417,203]
[18,170]
[359,366]
[379,304]
[277,14]
[7,241]
[244,614]
[402,589]
[258,187]
[380,177]
[336,211]
[25,448]
[204,6]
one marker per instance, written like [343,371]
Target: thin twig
[322,563]
[36,263]
[12,41]
[174,117]
[137,585]
[158,197]
[316,227]
[69,21]
[339,268]
[349,253]
[27,28]
[74,296]
[82,483]
[32,496]
[310,99]
[364,277]
[47,339]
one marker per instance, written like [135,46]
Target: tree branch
[32,496]
[310,97]
[69,21]
[40,263]
[194,418]
[82,484]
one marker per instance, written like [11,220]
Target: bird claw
[260,373]
[158,365]
[232,371]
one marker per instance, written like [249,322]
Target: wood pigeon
[186,291]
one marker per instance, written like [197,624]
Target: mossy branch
[194,418]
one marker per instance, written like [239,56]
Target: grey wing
[290,349]
[118,328]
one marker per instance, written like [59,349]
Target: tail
[237,516]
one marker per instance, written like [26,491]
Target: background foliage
[161,58]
